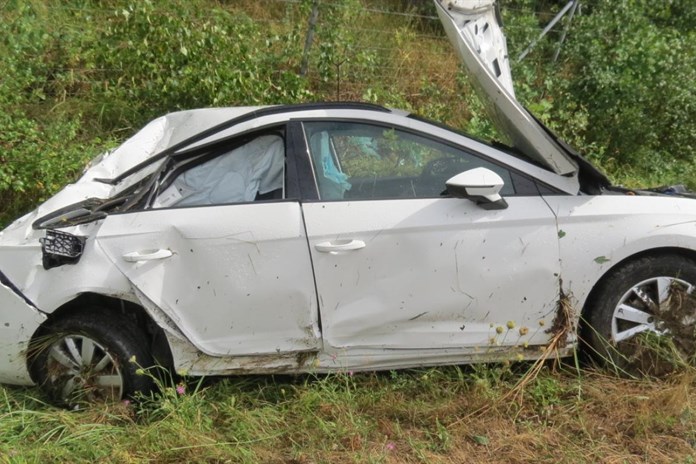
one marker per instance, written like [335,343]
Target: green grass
[65,100]
[427,415]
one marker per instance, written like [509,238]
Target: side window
[251,171]
[364,161]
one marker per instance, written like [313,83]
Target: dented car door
[227,266]
[234,279]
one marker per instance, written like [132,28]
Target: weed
[79,77]
[405,416]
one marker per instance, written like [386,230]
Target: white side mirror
[480,185]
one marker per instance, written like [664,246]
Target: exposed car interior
[355,161]
[253,171]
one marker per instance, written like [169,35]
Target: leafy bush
[39,147]
[36,160]
[635,76]
[78,72]
[622,91]
[180,54]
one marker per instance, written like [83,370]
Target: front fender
[18,322]
[597,233]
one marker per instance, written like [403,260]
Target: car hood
[475,30]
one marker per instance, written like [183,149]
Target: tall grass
[55,118]
[423,415]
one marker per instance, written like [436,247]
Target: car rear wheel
[642,316]
[94,356]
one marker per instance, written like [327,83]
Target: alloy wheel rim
[640,309]
[82,370]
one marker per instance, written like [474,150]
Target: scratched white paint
[598,232]
[18,322]
[238,281]
[399,283]
[248,303]
[434,272]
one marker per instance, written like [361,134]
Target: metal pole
[565,32]
[311,27]
[547,29]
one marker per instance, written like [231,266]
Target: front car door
[398,266]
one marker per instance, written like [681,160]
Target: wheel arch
[157,340]
[592,295]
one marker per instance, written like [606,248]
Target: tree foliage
[633,65]
[78,75]
[623,91]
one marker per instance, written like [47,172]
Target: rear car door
[398,266]
[222,252]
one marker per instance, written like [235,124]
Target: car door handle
[339,245]
[147,255]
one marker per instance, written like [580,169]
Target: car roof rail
[261,111]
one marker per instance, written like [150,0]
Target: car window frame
[221,147]
[524,184]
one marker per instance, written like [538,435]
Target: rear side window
[252,171]
[355,161]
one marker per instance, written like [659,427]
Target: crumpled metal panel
[18,322]
[20,261]
[237,279]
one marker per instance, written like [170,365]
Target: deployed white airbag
[234,177]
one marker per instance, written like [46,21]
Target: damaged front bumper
[18,322]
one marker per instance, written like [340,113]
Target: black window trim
[513,171]
[180,148]
[299,163]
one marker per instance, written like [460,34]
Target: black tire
[94,356]
[638,284]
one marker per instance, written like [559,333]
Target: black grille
[60,248]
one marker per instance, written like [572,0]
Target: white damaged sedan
[336,236]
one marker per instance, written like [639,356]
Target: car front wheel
[93,356]
[642,316]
